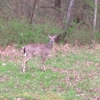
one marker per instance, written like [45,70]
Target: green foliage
[82,37]
[14,31]
[97,36]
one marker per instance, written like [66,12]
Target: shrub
[20,33]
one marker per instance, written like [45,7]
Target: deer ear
[49,36]
[55,36]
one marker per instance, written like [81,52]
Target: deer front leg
[25,62]
[43,62]
[23,67]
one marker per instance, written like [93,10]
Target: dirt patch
[10,53]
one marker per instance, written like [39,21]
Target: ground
[73,73]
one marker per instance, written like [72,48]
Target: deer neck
[50,45]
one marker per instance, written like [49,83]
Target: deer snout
[52,42]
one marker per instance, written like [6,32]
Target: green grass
[74,76]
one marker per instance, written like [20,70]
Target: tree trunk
[95,16]
[69,13]
[32,14]
[57,7]
[57,4]
[62,36]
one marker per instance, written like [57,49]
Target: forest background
[29,21]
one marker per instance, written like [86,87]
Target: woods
[67,17]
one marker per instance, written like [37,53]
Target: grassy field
[71,75]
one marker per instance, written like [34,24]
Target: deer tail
[24,50]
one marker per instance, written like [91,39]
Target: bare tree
[95,15]
[62,36]
[69,12]
[57,7]
[57,4]
[32,14]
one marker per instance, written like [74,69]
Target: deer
[42,50]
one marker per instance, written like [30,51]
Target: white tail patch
[23,48]
[25,54]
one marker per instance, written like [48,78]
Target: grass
[74,75]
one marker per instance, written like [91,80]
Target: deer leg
[24,66]
[43,61]
[26,61]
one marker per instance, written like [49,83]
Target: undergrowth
[16,32]
[20,33]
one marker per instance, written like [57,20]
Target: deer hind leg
[26,59]
[43,62]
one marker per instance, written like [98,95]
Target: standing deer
[42,50]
